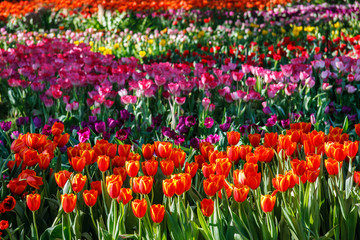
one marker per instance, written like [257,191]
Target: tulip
[210,187]
[62,140]
[254,139]
[167,167]
[33,201]
[357,178]
[357,129]
[178,157]
[233,137]
[4,224]
[299,167]
[312,175]
[208,169]
[44,161]
[151,167]
[191,168]
[16,187]
[351,148]
[250,169]
[168,187]
[313,162]
[157,212]
[68,202]
[205,148]
[132,167]
[252,158]
[265,154]
[17,145]
[57,128]
[253,181]
[62,177]
[244,150]
[270,140]
[139,207]
[207,207]
[267,203]
[332,166]
[78,182]
[78,163]
[96,185]
[163,149]
[124,150]
[281,183]
[90,197]
[223,166]
[125,195]
[113,185]
[240,192]
[121,171]
[233,153]
[145,184]
[148,151]
[103,162]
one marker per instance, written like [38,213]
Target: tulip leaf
[351,223]
[52,233]
[174,229]
[240,226]
[204,226]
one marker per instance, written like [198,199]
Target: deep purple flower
[157,120]
[84,134]
[224,127]
[181,127]
[213,138]
[122,134]
[190,121]
[14,135]
[84,124]
[228,120]
[195,143]
[267,110]
[124,114]
[167,132]
[106,135]
[132,117]
[100,127]
[46,130]
[5,126]
[51,121]
[352,118]
[20,121]
[92,119]
[112,123]
[150,129]
[243,129]
[346,109]
[285,123]
[37,122]
[209,122]
[76,128]
[271,121]
[179,139]
[63,149]
[182,119]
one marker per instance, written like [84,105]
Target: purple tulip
[285,123]
[92,119]
[14,135]
[20,121]
[157,120]
[346,109]
[5,126]
[37,122]
[224,127]
[352,118]
[190,121]
[124,114]
[76,128]
[209,122]
[267,110]
[100,127]
[46,130]
[121,134]
[179,139]
[112,123]
[271,121]
[84,134]
[106,135]
[195,143]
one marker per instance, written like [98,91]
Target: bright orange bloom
[332,166]
[136,184]
[199,159]
[205,149]
[157,212]
[299,167]
[90,197]
[270,140]
[148,151]
[212,186]
[78,182]
[267,203]
[357,177]
[336,151]
[73,152]
[291,178]
[57,128]
[31,157]
[113,185]
[213,155]
[313,162]
[228,190]
[44,161]
[357,129]
[244,150]
[17,145]
[208,168]
[232,153]
[178,157]
[240,192]
[253,181]
[62,177]
[351,148]
[96,185]
[16,186]
[252,158]
[167,167]
[33,201]
[223,166]
[134,157]
[305,127]
[151,167]
[68,202]
[124,150]
[294,134]
[125,195]
[265,154]
[89,156]
[62,140]
[312,175]
[191,168]
[316,138]
[207,207]
[118,161]
[182,182]
[139,207]
[233,137]
[145,184]
[132,167]
[281,183]
[168,187]
[250,169]
[78,163]
[254,139]
[163,149]
[34,140]
[31,178]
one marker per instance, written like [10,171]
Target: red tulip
[148,151]
[151,167]
[233,137]
[62,177]
[168,187]
[267,203]
[78,182]
[254,139]
[163,149]
[57,128]
[191,168]
[90,197]
[207,207]
[240,192]
[157,212]
[125,195]
[139,207]
[132,167]
[167,167]
[103,162]
[68,202]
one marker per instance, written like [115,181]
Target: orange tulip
[139,207]
[78,182]
[168,187]
[182,182]
[167,167]
[232,153]
[33,201]
[313,162]
[163,149]
[31,157]
[208,169]
[254,139]
[250,169]
[148,151]
[240,192]
[68,202]
[312,175]
[121,171]
[113,184]
[205,149]
[62,177]
[16,187]
[281,183]
[34,140]
[157,213]
[125,195]
[207,207]
[78,163]
[267,203]
[316,138]
[253,181]
[151,167]
[351,148]
[145,184]
[332,166]
[357,177]
[178,157]
[357,129]
[213,155]
[118,161]
[89,156]
[57,128]
[252,158]
[191,168]
[96,185]
[62,140]
[132,167]
[17,145]
[243,151]
[270,140]
[103,162]
[200,160]
[233,137]
[223,166]
[299,167]
[90,197]
[44,161]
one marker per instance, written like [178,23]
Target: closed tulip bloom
[223,166]
[139,207]
[265,154]
[61,177]
[357,177]
[267,203]
[157,213]
[44,161]
[208,169]
[240,192]
[121,171]
[332,166]
[151,167]
[351,148]
[191,168]
[313,162]
[113,185]
[148,151]
[210,187]
[312,175]
[207,207]
[90,197]
[270,140]
[17,145]
[125,195]
[168,187]
[232,153]
[96,185]
[254,139]
[33,201]
[62,140]
[68,202]
[57,128]
[253,181]
[299,167]
[178,157]
[357,129]
[78,163]
[132,168]
[252,158]
[250,169]
[163,149]
[124,150]
[103,162]
[243,151]
[145,184]
[78,182]
[281,183]
[233,137]
[167,167]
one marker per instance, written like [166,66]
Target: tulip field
[179,119]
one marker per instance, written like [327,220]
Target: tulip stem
[9,233]
[139,228]
[93,221]
[35,227]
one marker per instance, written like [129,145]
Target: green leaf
[204,226]
[174,229]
